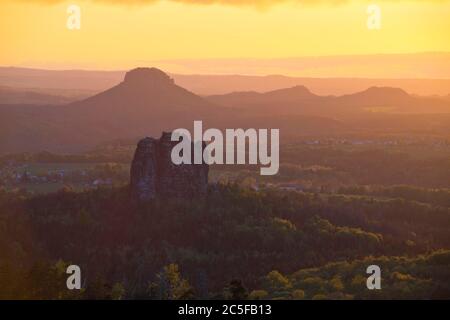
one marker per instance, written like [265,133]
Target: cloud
[251,3]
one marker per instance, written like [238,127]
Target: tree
[276,281]
[298,294]
[235,291]
[337,284]
[170,285]
[258,295]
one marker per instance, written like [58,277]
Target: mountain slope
[26,96]
[204,84]
[249,98]
[145,103]
[299,100]
[148,101]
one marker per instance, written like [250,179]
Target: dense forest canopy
[234,242]
[337,205]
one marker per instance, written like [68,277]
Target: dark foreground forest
[237,243]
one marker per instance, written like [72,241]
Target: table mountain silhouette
[145,89]
[148,102]
[145,103]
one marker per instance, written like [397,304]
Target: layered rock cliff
[153,174]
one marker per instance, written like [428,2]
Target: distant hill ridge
[299,99]
[204,84]
[148,101]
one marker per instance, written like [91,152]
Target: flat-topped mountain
[148,77]
[148,101]
[145,103]
[145,89]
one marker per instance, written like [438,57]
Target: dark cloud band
[254,3]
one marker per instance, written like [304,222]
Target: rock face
[153,174]
[148,77]
[143,170]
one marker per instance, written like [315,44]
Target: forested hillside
[231,244]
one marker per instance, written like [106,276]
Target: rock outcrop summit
[153,174]
[150,77]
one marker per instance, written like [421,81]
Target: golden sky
[116,36]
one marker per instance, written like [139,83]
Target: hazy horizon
[116,35]
[84,82]
[98,200]
[402,66]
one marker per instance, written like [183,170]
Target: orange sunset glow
[213,151]
[124,34]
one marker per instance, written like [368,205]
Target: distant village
[110,167]
[382,142]
[13,175]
